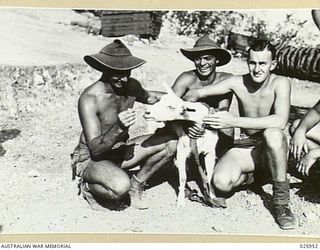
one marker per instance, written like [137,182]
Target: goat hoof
[196,198]
[216,202]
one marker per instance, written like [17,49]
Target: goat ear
[168,89]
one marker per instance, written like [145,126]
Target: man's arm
[143,95]
[98,143]
[299,138]
[182,83]
[219,88]
[278,119]
[225,103]
[180,87]
[311,119]
[307,161]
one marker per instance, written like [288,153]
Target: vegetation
[220,23]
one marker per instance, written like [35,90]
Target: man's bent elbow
[280,123]
[95,154]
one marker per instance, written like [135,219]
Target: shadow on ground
[7,134]
[309,187]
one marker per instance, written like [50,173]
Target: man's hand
[220,120]
[127,117]
[191,95]
[195,131]
[298,145]
[306,162]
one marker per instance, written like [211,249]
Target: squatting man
[104,152]
[261,152]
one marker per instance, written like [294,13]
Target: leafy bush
[220,23]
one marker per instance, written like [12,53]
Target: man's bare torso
[255,100]
[108,104]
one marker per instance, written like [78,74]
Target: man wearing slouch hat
[104,153]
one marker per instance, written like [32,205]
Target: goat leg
[180,164]
[201,170]
[183,151]
[210,198]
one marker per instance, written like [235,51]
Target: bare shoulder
[186,79]
[133,84]
[277,79]
[184,82]
[90,96]
[222,76]
[280,82]
[234,81]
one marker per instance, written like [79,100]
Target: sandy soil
[37,194]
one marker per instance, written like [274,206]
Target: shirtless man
[264,103]
[206,56]
[106,113]
[305,143]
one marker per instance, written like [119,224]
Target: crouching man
[206,56]
[305,143]
[264,103]
[106,112]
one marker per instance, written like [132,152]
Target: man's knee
[223,175]
[227,174]
[294,126]
[274,138]
[111,191]
[222,182]
[109,177]
[121,187]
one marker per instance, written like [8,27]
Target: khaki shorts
[80,159]
[246,141]
[261,174]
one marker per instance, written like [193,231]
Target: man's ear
[274,64]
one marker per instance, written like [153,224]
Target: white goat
[171,108]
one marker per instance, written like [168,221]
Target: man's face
[119,78]
[205,64]
[260,65]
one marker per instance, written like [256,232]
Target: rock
[33,173]
[310,215]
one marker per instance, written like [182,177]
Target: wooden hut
[145,24]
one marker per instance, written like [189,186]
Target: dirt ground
[37,194]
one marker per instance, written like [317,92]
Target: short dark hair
[261,45]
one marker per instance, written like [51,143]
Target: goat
[171,108]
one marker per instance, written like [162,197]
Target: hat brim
[223,56]
[101,62]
